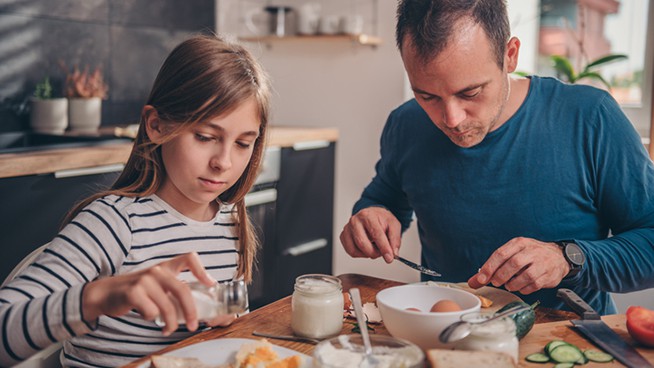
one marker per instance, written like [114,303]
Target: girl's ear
[153,125]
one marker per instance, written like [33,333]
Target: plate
[500,297]
[223,351]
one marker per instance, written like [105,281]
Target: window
[584,30]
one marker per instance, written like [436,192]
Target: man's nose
[453,114]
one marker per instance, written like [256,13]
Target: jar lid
[317,284]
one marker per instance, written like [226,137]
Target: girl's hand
[149,292]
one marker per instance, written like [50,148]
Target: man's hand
[524,265]
[372,232]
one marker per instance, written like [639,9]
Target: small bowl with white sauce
[347,351]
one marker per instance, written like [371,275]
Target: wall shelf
[362,39]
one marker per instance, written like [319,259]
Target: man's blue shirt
[568,165]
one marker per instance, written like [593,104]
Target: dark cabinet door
[33,207]
[305,214]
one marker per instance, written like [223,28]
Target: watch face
[574,254]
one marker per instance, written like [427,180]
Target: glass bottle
[222,298]
[317,306]
[498,335]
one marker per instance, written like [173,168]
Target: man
[514,182]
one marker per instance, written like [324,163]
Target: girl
[175,213]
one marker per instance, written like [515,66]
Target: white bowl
[422,328]
[346,351]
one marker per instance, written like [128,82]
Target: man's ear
[153,125]
[511,56]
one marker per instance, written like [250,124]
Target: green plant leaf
[563,66]
[594,75]
[604,60]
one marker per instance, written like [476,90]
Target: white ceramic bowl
[347,351]
[422,328]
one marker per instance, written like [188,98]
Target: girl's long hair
[203,78]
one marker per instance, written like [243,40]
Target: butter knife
[418,267]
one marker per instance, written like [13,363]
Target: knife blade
[418,267]
[592,326]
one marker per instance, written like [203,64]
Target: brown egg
[413,309]
[445,305]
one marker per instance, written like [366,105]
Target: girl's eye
[243,144]
[202,138]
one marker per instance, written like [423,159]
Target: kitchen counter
[48,161]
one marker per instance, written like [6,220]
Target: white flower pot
[49,116]
[84,114]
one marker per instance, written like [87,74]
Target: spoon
[460,329]
[368,359]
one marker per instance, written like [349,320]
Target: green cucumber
[564,365]
[566,353]
[524,320]
[598,356]
[552,344]
[537,358]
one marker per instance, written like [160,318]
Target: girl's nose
[221,160]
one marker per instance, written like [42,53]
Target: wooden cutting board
[542,333]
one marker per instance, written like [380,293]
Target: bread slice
[440,358]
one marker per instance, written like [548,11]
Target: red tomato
[640,324]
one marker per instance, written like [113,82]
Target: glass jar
[222,298]
[317,306]
[498,335]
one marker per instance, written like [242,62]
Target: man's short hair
[430,24]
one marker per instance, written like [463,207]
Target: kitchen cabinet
[305,211]
[34,206]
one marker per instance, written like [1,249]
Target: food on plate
[413,309]
[524,320]
[640,324]
[440,358]
[563,353]
[258,354]
[485,302]
[445,305]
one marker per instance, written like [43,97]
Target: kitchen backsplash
[128,38]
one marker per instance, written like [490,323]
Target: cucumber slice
[564,365]
[552,344]
[537,358]
[566,353]
[598,356]
[583,360]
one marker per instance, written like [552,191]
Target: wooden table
[276,318]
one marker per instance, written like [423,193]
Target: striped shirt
[112,235]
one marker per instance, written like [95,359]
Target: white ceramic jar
[498,335]
[317,306]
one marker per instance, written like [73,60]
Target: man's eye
[426,97]
[473,93]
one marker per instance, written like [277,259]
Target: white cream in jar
[498,335]
[317,306]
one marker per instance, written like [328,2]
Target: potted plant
[48,114]
[567,73]
[85,91]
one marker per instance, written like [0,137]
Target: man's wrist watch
[573,255]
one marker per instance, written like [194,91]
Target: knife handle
[573,301]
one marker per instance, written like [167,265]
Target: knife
[592,326]
[418,267]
